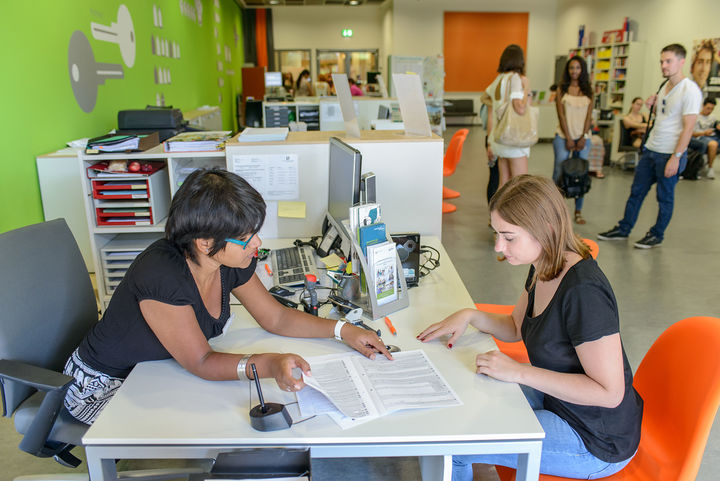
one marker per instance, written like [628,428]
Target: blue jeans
[562,153]
[563,452]
[701,143]
[650,170]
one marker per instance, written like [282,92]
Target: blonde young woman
[512,161]
[579,381]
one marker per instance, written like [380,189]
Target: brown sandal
[579,218]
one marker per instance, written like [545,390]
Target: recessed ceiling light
[353,2]
[273,2]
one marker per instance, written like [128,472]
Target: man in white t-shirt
[705,137]
[676,106]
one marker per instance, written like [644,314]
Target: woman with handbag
[574,111]
[509,90]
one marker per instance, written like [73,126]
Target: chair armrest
[34,376]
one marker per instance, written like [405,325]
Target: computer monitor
[372,77]
[273,79]
[383,112]
[343,179]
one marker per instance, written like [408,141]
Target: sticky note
[291,209]
[332,261]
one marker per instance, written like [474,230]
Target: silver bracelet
[338,328]
[241,367]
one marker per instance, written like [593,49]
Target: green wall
[39,111]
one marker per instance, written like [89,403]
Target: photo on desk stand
[412,104]
[342,88]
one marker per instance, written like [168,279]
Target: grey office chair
[48,305]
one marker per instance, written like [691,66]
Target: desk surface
[322,137]
[162,404]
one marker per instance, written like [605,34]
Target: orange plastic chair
[679,380]
[450,161]
[517,350]
[594,247]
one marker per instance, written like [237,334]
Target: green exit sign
[347,32]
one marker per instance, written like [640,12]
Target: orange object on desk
[267,268]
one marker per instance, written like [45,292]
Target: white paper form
[275,176]
[363,389]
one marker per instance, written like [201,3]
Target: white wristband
[338,328]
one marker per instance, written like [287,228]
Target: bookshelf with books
[126,211]
[615,70]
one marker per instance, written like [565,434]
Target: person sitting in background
[288,84]
[553,93]
[176,295]
[304,87]
[636,121]
[579,382]
[355,89]
[705,137]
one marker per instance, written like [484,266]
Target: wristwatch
[678,154]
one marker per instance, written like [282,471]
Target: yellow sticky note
[332,261]
[292,209]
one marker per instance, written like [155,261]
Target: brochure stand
[368,300]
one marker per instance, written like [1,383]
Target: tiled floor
[654,288]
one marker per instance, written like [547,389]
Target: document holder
[368,300]
[259,463]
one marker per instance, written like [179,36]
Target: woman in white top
[574,110]
[512,161]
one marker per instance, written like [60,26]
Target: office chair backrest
[47,300]
[626,139]
[454,151]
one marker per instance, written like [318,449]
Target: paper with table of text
[360,389]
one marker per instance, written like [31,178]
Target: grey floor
[654,288]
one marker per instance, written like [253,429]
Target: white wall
[319,28]
[418,30]
[659,23]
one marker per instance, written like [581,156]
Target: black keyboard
[292,263]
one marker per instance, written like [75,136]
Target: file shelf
[125,213]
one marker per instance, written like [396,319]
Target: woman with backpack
[574,110]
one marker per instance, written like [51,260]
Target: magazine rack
[368,300]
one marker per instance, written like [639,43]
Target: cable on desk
[431,262]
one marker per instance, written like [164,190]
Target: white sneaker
[710,173]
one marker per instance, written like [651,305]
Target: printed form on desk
[353,389]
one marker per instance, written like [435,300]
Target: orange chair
[679,380]
[517,350]
[450,161]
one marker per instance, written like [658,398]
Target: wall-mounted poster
[705,66]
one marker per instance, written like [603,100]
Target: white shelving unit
[123,243]
[616,70]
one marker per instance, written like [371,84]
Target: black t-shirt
[583,309]
[123,338]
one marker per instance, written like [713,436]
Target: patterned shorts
[90,391]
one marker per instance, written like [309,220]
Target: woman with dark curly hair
[574,110]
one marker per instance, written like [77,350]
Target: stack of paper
[353,389]
[251,134]
[197,141]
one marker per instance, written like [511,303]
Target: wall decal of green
[40,112]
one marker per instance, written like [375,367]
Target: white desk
[162,411]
